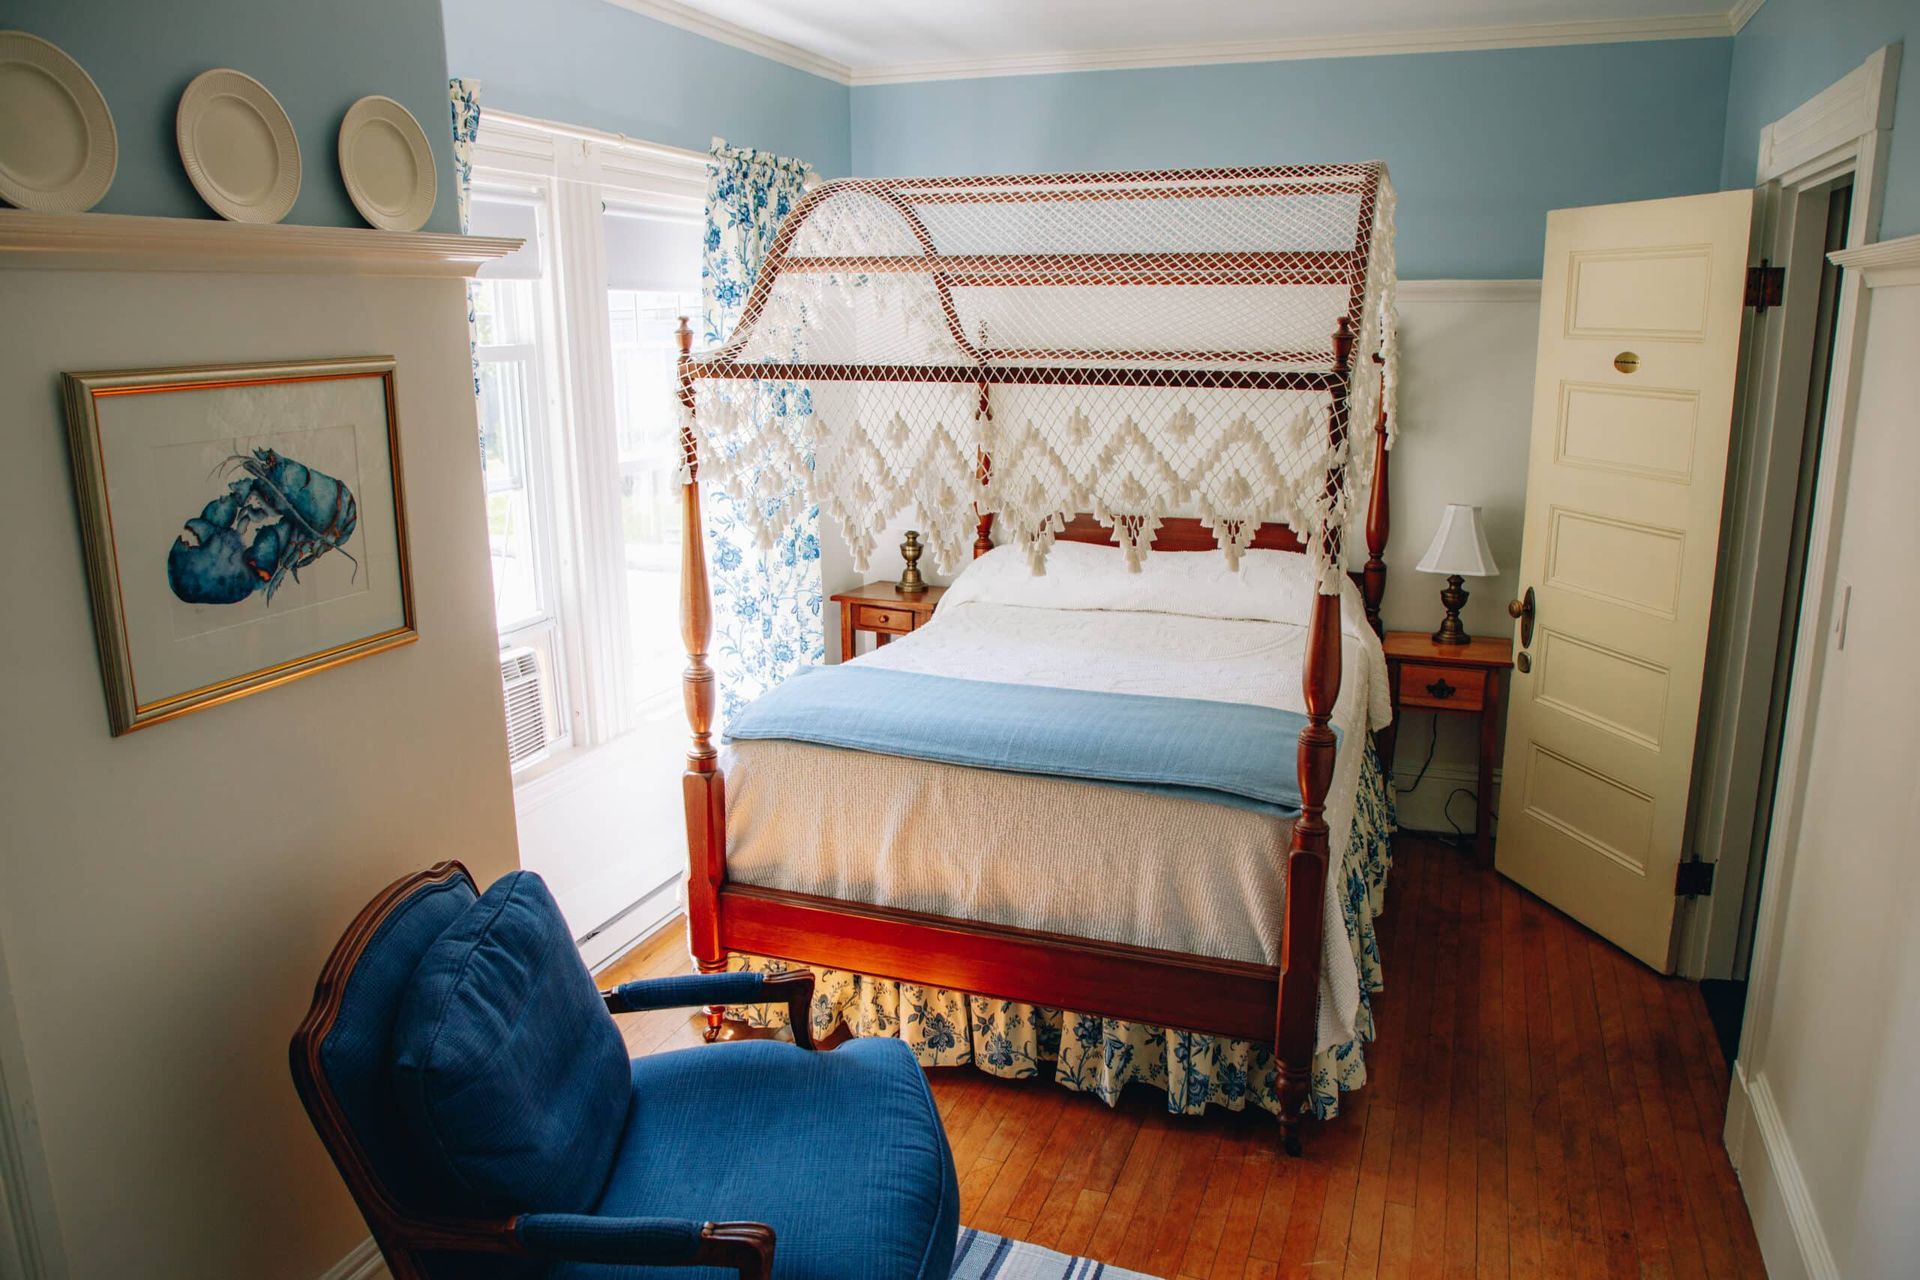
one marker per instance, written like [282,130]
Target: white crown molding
[127,242]
[1708,25]
[702,24]
[1884,264]
[1438,40]
[1468,291]
[1742,13]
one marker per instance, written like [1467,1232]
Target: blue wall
[1481,144]
[591,63]
[1791,50]
[316,58]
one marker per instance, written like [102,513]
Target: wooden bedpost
[983,470]
[1296,1025]
[703,784]
[1374,573]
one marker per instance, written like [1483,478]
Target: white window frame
[577,172]
[546,500]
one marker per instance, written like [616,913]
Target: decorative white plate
[58,149]
[238,146]
[387,164]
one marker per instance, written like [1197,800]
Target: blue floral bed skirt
[1098,1055]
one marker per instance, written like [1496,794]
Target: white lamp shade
[1460,545]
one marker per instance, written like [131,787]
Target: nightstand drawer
[868,617]
[1450,688]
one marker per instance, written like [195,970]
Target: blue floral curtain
[463,97]
[766,604]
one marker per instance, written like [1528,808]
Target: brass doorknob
[1523,610]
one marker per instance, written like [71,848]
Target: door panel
[1640,313]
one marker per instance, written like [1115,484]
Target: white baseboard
[1791,1241]
[633,926]
[364,1263]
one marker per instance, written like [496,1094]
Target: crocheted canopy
[1211,343]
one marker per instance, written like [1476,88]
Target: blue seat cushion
[841,1153]
[510,1072]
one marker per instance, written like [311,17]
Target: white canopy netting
[1215,344]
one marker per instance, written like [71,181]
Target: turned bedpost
[1373,575]
[703,785]
[1297,1021]
[982,473]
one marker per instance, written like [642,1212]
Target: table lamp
[1460,551]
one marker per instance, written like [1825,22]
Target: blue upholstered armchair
[472,1087]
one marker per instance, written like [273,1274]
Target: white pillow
[1269,586]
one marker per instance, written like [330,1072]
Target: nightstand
[1454,679]
[883,609]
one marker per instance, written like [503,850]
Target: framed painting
[244,527]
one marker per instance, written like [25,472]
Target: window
[513,345]
[575,339]
[653,278]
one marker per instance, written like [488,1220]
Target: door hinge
[1693,880]
[1766,285]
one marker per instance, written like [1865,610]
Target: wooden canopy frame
[1239,999]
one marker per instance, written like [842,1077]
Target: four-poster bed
[1177,362]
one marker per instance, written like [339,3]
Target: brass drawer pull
[1441,689]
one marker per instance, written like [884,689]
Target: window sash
[575,178]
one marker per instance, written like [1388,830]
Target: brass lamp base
[911,583]
[1454,597]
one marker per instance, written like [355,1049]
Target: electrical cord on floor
[1460,839]
[1433,739]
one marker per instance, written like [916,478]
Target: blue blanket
[1223,752]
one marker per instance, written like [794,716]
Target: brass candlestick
[911,583]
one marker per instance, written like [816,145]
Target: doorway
[1725,996]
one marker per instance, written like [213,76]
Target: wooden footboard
[1167,988]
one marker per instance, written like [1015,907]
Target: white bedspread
[1056,855]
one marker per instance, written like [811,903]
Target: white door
[1640,312]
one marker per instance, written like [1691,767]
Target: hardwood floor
[1539,1104]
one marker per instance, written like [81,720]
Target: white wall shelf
[128,242]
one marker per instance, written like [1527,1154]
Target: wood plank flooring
[1539,1104]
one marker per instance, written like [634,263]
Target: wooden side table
[884,610]
[1454,679]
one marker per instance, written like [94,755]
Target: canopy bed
[1177,363]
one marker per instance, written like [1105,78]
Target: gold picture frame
[197,626]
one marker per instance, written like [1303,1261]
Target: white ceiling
[878,41]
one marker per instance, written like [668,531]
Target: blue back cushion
[356,1056]
[510,1071]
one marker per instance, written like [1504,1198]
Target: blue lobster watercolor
[276,519]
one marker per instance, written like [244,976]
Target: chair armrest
[794,989]
[746,1247]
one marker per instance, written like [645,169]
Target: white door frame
[1843,130]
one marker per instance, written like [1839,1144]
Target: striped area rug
[982,1255]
